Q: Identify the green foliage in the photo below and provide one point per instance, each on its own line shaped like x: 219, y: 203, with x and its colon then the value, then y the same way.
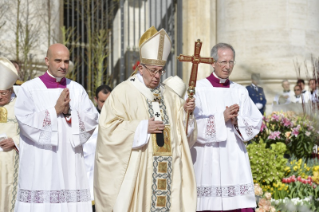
x: 267, y: 164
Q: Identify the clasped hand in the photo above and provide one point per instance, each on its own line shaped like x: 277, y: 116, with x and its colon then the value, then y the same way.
x: 231, y: 113
x: 62, y: 104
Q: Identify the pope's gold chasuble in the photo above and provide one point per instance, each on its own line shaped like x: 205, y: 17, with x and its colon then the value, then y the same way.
x: 9, y: 160
x: 157, y: 176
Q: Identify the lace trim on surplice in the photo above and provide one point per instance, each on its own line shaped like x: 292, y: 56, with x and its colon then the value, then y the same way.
x: 53, y: 196
x: 45, y: 135
x: 211, y: 128
x: 84, y: 136
x: 249, y: 129
x: 225, y: 191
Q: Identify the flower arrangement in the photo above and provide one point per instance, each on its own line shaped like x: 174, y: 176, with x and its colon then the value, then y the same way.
x: 298, y: 133
x: 315, y: 177
x: 285, y: 204
x: 264, y: 204
x: 298, y: 168
x: 267, y: 165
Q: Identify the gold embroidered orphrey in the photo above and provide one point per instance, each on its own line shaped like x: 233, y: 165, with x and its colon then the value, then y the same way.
x: 162, y: 167
x: 196, y: 59
x: 161, y: 201
x: 3, y: 115
x: 166, y: 149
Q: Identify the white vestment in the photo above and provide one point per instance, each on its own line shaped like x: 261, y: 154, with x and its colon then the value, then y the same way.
x: 89, y: 156
x: 298, y: 99
x: 222, y: 168
x: 52, y: 174
x: 279, y: 98
x: 314, y: 96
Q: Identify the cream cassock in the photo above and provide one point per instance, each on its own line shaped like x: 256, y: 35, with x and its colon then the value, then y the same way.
x: 222, y: 169
x: 52, y: 174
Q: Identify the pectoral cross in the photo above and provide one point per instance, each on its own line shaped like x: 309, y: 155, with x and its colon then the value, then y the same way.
x: 157, y: 114
x: 196, y: 59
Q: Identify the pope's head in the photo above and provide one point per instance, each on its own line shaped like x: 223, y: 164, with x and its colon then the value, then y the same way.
x: 151, y: 74
x: 57, y: 60
x: 224, y: 59
x: 155, y: 47
x: 8, y: 76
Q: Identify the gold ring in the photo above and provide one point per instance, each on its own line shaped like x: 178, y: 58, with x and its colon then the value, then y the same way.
x: 156, y: 128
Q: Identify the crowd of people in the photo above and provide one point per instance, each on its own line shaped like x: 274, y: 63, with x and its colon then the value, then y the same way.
x: 298, y: 95
x: 60, y: 153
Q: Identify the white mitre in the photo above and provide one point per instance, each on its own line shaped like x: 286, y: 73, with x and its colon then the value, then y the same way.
x: 155, y: 47
x: 8, y: 74
x: 176, y: 84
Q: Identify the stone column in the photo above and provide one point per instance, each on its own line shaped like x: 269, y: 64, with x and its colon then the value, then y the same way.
x: 199, y: 22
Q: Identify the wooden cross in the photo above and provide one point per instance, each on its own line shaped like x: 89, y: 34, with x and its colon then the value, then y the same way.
x: 196, y: 59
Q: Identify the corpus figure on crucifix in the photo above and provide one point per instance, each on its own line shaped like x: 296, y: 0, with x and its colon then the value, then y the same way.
x: 226, y: 119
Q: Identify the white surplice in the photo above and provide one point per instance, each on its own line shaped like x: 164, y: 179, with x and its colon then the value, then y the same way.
x: 89, y: 156
x: 279, y: 98
x: 52, y: 174
x: 221, y: 162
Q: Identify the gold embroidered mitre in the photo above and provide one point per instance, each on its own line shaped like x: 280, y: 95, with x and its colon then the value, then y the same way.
x: 8, y: 74
x: 155, y: 47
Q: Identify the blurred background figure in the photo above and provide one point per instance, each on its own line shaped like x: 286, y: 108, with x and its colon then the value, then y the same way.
x: 101, y: 94
x: 304, y: 92
x: 284, y: 97
x: 298, y: 97
x: 313, y: 90
x: 256, y: 93
x: 9, y: 136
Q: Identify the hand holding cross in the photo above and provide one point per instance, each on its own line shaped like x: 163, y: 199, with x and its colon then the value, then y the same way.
x: 196, y: 59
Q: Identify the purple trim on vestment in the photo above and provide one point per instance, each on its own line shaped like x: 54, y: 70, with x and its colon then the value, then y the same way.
x: 215, y: 82
x: 50, y: 82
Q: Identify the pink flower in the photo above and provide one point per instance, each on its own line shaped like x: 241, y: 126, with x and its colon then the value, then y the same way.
x: 275, y: 117
x: 272, y: 209
x: 286, y: 122
x: 265, y: 204
x: 274, y: 135
x: 310, y: 128
x: 263, y: 126
x: 295, y: 131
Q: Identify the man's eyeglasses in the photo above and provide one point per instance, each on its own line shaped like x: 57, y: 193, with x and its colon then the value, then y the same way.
x: 297, y: 90
x: 4, y: 93
x: 154, y: 72
x: 224, y: 63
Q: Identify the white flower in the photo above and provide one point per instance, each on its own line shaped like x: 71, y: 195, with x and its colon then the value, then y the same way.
x: 308, y: 133
x: 268, y: 195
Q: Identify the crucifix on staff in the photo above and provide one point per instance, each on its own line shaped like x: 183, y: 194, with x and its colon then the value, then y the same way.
x: 196, y: 59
